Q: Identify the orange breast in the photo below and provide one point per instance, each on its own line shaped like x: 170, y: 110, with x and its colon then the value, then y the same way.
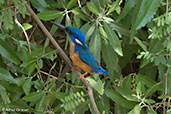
x: 76, y: 59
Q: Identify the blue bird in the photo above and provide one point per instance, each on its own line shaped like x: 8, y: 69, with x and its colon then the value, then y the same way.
x: 80, y: 53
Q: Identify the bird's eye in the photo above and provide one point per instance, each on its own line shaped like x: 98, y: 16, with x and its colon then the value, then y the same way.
x: 69, y: 31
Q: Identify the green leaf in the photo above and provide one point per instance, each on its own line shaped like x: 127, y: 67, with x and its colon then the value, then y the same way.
x: 97, y: 85
x: 81, y: 109
x: 26, y: 86
x: 169, y: 111
x: 149, y: 101
x: 116, y: 97
x: 50, y: 98
x: 92, y: 7
x: 78, y: 12
x: 127, y: 8
x: 120, y: 28
x: 84, y: 28
x: 8, y: 52
x: 40, y: 63
x: 71, y: 3
x: 42, y: 2
x: 146, y: 80
x: 3, y: 36
x: 136, y: 110
x: 113, y: 39
x: 25, y: 55
x: 108, y: 20
x: 20, y: 80
x: 146, y: 12
x: 102, y: 32
x: 34, y: 96
x: 40, y: 106
x: 162, y: 96
x: 5, y: 75
x: 49, y: 15
x: 31, y: 67
x: 153, y: 89
x: 60, y: 95
x: 113, y: 6
x: 142, y: 14
x: 7, y: 19
x: 140, y: 43
x: 22, y: 8
x: 40, y: 5
x: 29, y: 61
x: 126, y: 93
x: 4, y: 95
x: 127, y: 82
x: 111, y: 60
x: 160, y: 59
x: 139, y: 88
x: 2, y: 1
x: 46, y: 42
x: 95, y: 45
x: 90, y: 32
x: 67, y: 20
x: 151, y: 111
x: 38, y: 84
x: 27, y: 26
x: 77, y: 21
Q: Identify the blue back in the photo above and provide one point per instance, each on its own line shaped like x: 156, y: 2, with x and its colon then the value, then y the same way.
x: 87, y: 57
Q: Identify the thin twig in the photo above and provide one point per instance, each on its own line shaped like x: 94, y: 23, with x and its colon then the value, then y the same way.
x: 32, y: 31
x: 166, y: 78
x: 74, y: 86
x: 40, y: 76
x: 168, y: 103
x: 79, y: 4
x: 167, y: 72
x: 48, y: 74
x: 166, y: 75
x: 90, y: 93
x: 167, y: 5
x: 18, y: 23
x: 64, y: 56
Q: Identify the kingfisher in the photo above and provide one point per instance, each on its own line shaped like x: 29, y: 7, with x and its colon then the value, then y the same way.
x: 80, y: 53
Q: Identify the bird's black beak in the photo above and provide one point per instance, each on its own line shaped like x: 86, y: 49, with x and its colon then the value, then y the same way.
x: 59, y: 25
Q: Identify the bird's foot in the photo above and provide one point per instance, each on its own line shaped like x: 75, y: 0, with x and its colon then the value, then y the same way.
x: 74, y: 67
x: 82, y: 75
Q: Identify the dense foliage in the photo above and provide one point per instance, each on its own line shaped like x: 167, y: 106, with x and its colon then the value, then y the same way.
x: 130, y: 38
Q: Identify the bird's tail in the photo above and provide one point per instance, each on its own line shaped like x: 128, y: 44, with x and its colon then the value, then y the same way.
x: 103, y: 71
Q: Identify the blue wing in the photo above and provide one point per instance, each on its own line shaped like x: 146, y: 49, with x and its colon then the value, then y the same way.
x: 87, y: 57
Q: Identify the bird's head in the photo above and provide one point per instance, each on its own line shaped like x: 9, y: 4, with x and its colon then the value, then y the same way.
x: 75, y: 34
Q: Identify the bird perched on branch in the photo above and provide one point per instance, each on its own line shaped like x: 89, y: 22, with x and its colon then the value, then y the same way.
x: 80, y: 53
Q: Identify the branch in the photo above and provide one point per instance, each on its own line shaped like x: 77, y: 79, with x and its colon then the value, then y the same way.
x: 18, y: 23
x: 167, y: 71
x: 64, y: 56
x: 79, y: 4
